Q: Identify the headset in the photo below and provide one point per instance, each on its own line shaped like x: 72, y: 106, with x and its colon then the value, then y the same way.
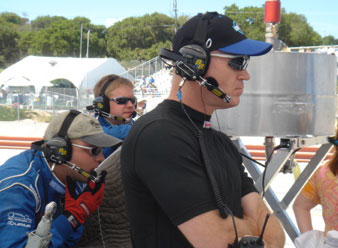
x: 101, y: 104
x: 59, y: 148
x: 192, y: 61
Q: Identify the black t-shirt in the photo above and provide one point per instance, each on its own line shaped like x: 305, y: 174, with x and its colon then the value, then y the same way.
x: 165, y: 178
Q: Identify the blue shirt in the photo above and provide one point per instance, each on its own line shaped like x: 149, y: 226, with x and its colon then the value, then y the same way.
x: 117, y: 131
x: 27, y: 185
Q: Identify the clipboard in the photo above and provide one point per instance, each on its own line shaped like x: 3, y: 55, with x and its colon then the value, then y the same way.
x: 109, y: 162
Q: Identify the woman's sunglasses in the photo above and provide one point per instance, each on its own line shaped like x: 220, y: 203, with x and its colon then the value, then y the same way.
x: 237, y: 62
x: 124, y: 100
x: 94, y: 151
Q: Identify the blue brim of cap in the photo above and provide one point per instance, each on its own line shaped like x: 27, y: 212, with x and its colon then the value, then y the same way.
x: 247, y: 47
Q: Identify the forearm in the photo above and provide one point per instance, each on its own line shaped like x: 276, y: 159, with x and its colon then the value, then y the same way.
x: 255, y: 208
x: 274, y: 236
x: 303, y: 218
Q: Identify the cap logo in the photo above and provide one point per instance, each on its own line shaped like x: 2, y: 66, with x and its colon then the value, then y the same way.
x: 208, y: 43
x: 94, y: 124
x: 236, y: 27
x: 199, y: 64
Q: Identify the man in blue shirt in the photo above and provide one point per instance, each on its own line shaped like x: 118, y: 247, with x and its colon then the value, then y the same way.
x: 59, y: 168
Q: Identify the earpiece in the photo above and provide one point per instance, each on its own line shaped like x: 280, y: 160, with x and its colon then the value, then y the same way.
x: 59, y: 148
x: 101, y: 102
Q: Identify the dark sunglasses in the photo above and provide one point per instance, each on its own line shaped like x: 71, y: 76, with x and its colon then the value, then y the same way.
x: 238, y: 63
x: 124, y: 100
x: 94, y: 151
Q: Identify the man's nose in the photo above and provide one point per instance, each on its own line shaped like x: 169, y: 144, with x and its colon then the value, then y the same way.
x: 244, y: 75
x: 99, y: 157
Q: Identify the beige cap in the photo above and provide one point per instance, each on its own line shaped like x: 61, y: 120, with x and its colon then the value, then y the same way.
x: 84, y: 127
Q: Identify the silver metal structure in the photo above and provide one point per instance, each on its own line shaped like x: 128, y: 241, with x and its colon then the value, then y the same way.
x: 291, y: 96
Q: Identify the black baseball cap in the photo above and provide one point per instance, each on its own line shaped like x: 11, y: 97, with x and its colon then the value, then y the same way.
x: 222, y: 34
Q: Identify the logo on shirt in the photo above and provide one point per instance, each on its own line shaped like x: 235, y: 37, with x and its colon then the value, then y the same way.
x: 17, y: 219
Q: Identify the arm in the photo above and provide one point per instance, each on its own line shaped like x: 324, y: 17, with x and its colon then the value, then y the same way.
x: 302, y: 207
x: 20, y: 202
x: 210, y: 230
x: 255, y: 209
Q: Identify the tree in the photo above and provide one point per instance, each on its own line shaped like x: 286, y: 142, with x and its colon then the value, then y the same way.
x: 295, y: 31
x: 293, y: 28
x: 329, y: 40
x: 9, y: 37
x: 58, y: 36
x: 138, y: 37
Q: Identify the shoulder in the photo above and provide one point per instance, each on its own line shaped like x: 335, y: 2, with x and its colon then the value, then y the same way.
x: 22, y: 174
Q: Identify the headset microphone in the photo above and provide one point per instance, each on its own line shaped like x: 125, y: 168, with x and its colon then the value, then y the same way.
x: 104, y: 114
x: 211, y: 84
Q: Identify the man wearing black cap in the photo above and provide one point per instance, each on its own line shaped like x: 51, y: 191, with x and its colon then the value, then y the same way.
x: 184, y: 181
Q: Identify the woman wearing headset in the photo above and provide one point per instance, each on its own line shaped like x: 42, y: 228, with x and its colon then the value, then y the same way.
x: 114, y: 106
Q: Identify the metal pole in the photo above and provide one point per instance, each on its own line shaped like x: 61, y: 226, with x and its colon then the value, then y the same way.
x: 81, y: 40
x: 87, y: 55
x: 175, y: 10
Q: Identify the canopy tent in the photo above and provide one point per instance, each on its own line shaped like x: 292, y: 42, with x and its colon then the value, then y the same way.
x: 83, y: 73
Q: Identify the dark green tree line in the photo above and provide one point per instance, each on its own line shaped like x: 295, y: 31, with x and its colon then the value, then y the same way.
x: 134, y: 38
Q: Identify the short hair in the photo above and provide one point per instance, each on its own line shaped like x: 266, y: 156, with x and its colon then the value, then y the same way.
x: 116, y: 83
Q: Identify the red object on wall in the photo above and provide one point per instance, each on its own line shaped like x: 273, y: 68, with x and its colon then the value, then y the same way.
x: 272, y: 11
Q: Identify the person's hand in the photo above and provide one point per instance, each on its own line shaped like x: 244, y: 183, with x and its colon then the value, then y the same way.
x: 79, y: 207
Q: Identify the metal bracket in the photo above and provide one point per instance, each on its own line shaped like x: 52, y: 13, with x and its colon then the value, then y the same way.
x: 274, y: 167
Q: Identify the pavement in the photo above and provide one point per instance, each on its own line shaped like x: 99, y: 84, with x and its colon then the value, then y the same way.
x: 280, y: 185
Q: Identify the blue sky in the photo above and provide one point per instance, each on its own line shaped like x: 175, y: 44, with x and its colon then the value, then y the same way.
x: 321, y: 15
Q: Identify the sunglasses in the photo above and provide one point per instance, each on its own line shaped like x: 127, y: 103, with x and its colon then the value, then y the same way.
x: 123, y: 100
x: 94, y: 151
x: 238, y: 63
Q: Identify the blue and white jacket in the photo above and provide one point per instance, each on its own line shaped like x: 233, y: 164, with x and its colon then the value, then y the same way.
x: 117, y: 131
x: 27, y: 185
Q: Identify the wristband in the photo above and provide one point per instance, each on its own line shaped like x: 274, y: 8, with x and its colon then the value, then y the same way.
x: 72, y: 220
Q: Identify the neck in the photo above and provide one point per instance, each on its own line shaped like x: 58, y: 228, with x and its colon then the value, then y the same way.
x: 59, y: 172
x: 114, y: 122
x: 192, y: 95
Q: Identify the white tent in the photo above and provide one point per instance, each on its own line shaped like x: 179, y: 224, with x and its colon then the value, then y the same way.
x: 82, y: 72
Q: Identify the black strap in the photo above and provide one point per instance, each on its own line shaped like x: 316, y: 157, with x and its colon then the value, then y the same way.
x: 201, y: 32
x: 105, y: 86
x: 66, y: 123
x: 202, y: 28
x: 222, y: 208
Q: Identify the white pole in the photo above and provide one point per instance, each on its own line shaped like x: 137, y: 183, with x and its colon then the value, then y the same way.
x: 87, y: 55
x: 81, y: 40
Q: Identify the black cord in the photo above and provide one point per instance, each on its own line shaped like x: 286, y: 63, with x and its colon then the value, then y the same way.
x: 221, y: 206
x: 253, y: 160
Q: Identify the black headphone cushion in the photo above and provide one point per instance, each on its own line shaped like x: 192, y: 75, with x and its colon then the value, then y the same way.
x: 59, y: 149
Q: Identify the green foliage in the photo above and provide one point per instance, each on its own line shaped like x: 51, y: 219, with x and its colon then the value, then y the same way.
x: 295, y: 31
x: 329, y: 40
x: 58, y: 36
x: 139, y: 37
x: 9, y: 49
x: 293, y: 28
x: 10, y: 114
x: 134, y: 38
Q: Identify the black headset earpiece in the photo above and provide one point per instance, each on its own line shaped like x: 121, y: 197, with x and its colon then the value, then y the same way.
x: 101, y: 102
x: 59, y: 148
